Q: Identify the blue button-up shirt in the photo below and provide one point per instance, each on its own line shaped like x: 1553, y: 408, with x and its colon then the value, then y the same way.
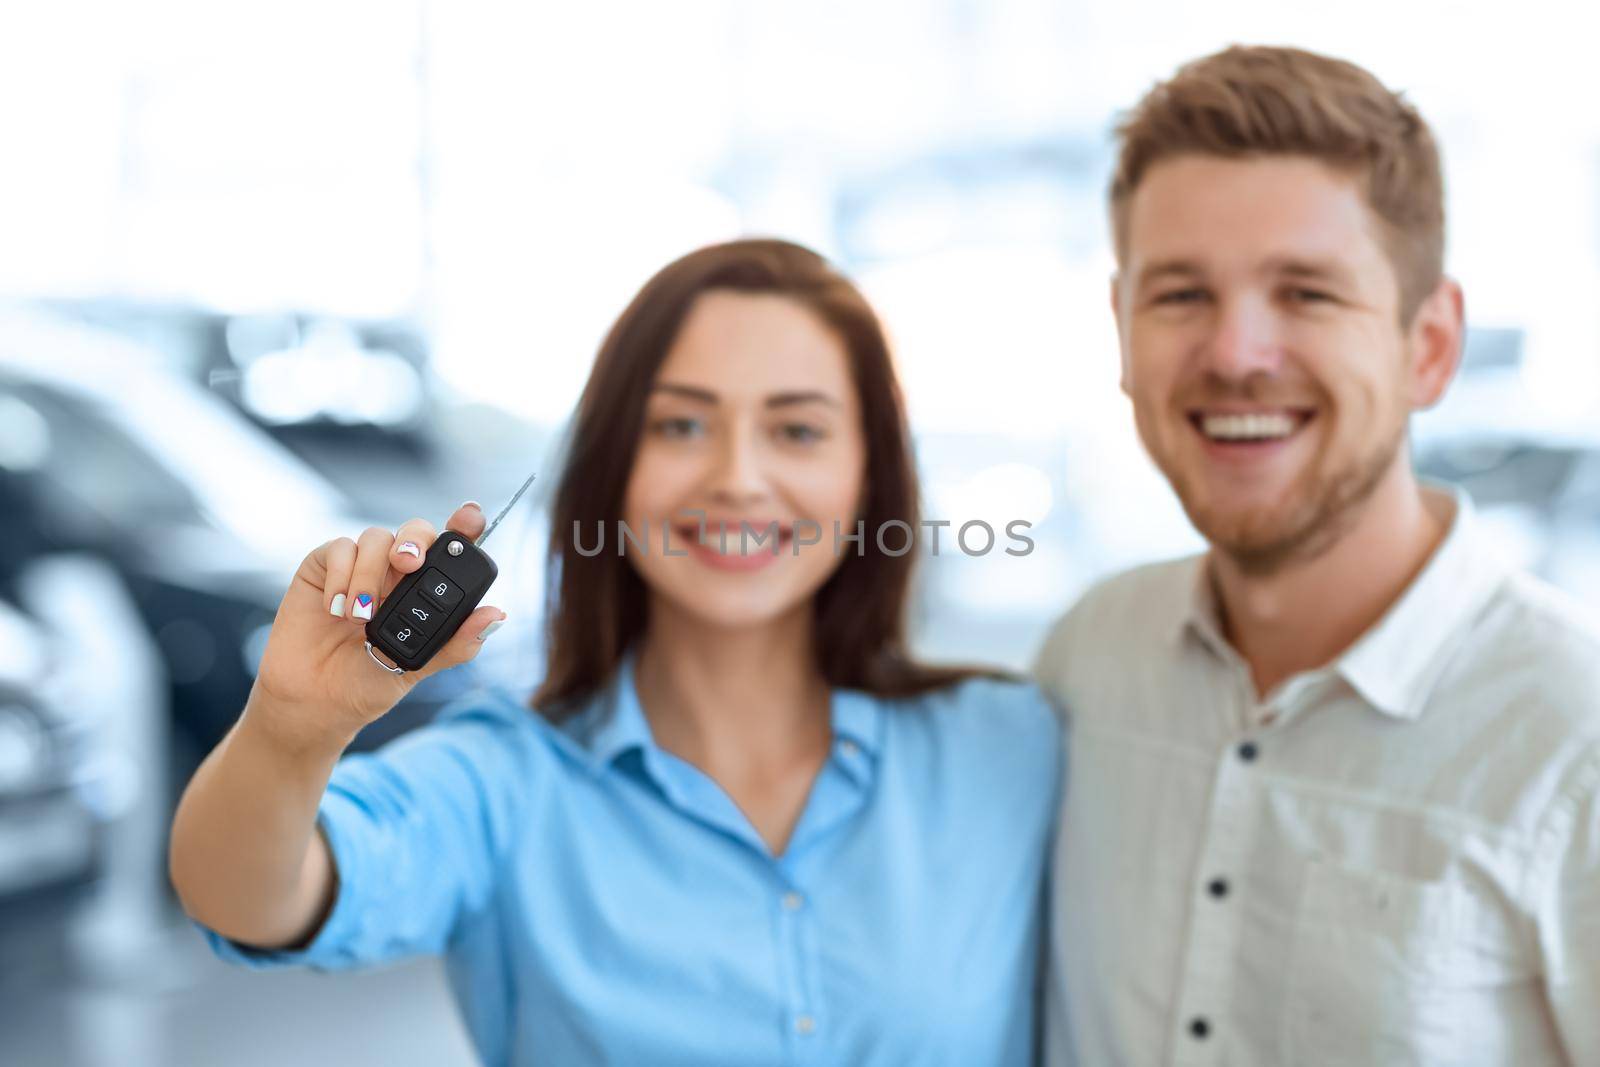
x: 599, y: 900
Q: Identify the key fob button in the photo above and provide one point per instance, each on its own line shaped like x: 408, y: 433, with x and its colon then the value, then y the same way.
x: 406, y: 638
x: 443, y: 591
x: 421, y: 614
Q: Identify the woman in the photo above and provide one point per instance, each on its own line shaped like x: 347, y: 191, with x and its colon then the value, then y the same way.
x: 740, y: 825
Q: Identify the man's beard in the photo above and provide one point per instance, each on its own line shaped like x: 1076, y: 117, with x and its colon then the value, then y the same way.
x: 1264, y: 541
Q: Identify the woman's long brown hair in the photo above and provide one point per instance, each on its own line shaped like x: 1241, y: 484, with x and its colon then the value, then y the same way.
x: 598, y: 605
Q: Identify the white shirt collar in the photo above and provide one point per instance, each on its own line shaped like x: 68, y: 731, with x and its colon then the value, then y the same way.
x: 1395, y: 663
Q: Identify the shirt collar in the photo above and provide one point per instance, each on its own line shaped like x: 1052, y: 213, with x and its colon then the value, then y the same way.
x: 616, y: 722
x: 857, y: 717
x: 1200, y: 615
x: 1395, y: 663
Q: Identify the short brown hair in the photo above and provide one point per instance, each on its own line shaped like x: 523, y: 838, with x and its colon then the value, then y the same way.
x: 598, y: 605
x: 1246, y: 101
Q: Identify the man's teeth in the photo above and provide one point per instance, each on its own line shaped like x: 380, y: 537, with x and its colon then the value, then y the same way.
x: 1247, y: 427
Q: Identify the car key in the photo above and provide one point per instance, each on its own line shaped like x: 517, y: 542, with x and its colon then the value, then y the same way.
x: 426, y: 607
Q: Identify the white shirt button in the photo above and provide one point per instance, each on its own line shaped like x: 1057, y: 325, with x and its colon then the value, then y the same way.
x: 793, y: 901
x: 805, y: 1024
x: 848, y: 747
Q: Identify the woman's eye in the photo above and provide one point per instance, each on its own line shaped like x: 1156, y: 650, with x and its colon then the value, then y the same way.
x: 1180, y: 296
x: 676, y: 427
x: 799, y: 433
x: 1309, y: 296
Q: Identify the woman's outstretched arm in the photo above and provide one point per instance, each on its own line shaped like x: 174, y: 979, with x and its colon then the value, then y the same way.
x: 246, y: 858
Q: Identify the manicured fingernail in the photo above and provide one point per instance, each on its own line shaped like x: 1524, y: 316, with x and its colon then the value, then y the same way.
x: 473, y: 504
x: 483, y: 635
x: 363, y: 608
x: 336, y: 609
x: 409, y: 548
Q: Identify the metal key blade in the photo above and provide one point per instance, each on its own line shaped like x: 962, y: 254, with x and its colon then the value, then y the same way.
x: 503, y: 511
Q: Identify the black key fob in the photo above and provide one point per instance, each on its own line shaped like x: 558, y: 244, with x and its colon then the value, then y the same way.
x: 429, y: 605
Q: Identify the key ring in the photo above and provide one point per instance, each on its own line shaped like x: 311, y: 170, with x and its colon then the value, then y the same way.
x: 379, y: 662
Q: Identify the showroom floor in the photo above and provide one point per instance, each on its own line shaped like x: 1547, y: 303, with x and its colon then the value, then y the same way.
x: 189, y: 1009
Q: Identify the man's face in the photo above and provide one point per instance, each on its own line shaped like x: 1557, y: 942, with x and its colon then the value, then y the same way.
x: 1262, y: 348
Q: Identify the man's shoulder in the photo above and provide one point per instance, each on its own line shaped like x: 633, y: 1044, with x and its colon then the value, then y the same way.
x: 1166, y: 583
x: 1120, y: 613
x: 1548, y: 643
x: 1545, y: 612
x: 1139, y: 596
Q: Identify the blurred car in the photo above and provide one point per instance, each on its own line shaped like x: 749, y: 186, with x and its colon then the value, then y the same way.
x: 83, y: 793
x: 105, y: 450
x: 50, y: 836
x: 329, y: 388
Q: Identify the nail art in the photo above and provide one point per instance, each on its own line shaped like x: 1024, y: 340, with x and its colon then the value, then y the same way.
x: 491, y: 628
x: 409, y: 548
x: 363, y: 608
x: 336, y: 609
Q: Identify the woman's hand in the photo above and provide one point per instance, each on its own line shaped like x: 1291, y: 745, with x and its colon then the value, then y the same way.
x: 316, y: 683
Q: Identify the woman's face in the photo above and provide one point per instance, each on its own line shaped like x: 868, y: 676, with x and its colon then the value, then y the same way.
x: 752, y: 419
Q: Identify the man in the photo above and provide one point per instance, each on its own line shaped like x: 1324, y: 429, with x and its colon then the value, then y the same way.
x: 1333, y: 785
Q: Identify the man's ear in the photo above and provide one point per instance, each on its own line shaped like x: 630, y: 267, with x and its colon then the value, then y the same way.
x: 1122, y: 341
x: 1435, y: 338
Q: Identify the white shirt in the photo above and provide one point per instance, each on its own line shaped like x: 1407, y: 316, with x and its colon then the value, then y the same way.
x: 1391, y: 860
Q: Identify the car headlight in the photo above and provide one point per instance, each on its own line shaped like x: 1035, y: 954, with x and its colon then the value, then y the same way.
x: 24, y: 749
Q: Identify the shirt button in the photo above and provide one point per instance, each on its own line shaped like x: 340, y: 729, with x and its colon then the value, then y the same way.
x: 1248, y: 751
x: 1200, y: 1028
x: 793, y: 901
x: 1218, y: 887
x: 805, y: 1024
x: 848, y: 747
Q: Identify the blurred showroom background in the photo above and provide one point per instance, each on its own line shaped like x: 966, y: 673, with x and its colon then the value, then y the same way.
x: 270, y: 273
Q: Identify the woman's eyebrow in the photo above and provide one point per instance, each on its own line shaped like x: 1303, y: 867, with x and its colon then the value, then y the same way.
x: 776, y: 400
x: 689, y: 391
